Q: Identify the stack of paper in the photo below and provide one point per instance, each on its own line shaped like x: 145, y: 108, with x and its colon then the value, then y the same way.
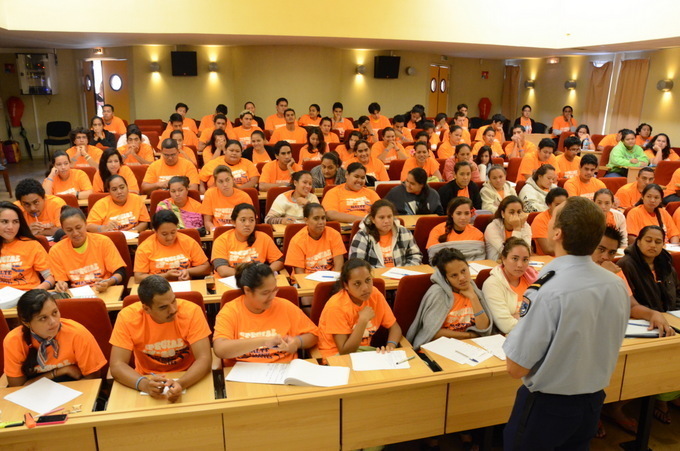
x: 9, y: 297
x: 298, y: 372
x: 180, y: 286
x: 229, y: 281
x: 458, y: 351
x: 638, y: 328
x: 130, y: 235
x: 324, y: 276
x: 85, y: 291
x: 371, y: 361
x: 475, y: 268
x: 493, y: 344
x: 399, y: 273
x: 43, y: 396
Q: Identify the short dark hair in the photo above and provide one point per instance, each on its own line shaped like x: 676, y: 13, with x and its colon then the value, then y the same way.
x: 504, y: 204
x: 646, y: 169
x: 316, y: 105
x: 588, y: 159
x: 461, y: 105
x: 108, y: 105
x: 222, y: 109
x: 374, y: 106
x: 613, y: 233
x: 498, y: 118
x: 111, y: 178
x: 29, y: 186
x: 583, y: 228
x: 516, y: 126
x: 310, y: 207
x: 281, y: 99
x: 219, y: 116
x: 572, y: 140
x: 399, y: 118
x: 182, y: 105
x: 446, y: 256
x: 67, y: 212
x: 169, y: 143
x: 151, y: 286
x: 567, y: 106
x: 252, y: 274
x: 176, y: 117
x: 287, y: 110
x: 280, y: 145
x: 355, y: 167
x: 338, y: 105
x: 177, y: 132
x: 162, y: 216
x: 547, y: 142
x: 542, y: 170
x: 440, y: 116
x: 555, y: 192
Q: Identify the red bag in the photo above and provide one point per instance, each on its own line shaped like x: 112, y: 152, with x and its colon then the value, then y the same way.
x: 12, y: 151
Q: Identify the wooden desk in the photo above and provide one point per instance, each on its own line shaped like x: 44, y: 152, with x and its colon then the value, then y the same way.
x: 409, y: 223
x: 204, y: 239
x: 145, y: 198
x: 307, y: 286
x: 111, y: 297
x: 633, y: 173
x: 125, y: 398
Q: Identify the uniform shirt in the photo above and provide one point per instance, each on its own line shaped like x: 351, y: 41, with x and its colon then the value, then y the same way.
x: 315, y: 255
x: 306, y: 120
x: 496, y: 148
x: 273, y: 122
x: 145, y: 152
x: 158, y: 171
x: 99, y: 260
x: 190, y: 138
x: 530, y: 163
x: 128, y: 215
x: 160, y: 348
x: 125, y: 172
x: 382, y: 122
x: 567, y: 169
x: 220, y: 206
x: 229, y: 248
x: 671, y: 188
x: 431, y: 166
x: 94, y: 152
x: 342, y: 200
x: 76, y: 182
x: 243, y: 135
x: 297, y: 136
x: 50, y: 213
x: 575, y: 187
x: 242, y: 171
x: 638, y: 218
x: 528, y: 148
x: 379, y: 147
x: 20, y: 262
x: 152, y: 257
x: 374, y: 168
x: 116, y: 126
x: 629, y: 195
x: 571, y: 336
x: 272, y: 173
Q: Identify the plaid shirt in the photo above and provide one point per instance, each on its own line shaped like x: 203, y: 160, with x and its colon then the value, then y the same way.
x: 405, y: 253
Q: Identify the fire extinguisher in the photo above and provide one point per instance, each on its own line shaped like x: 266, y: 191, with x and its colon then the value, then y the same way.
x: 484, y: 108
x: 15, y: 109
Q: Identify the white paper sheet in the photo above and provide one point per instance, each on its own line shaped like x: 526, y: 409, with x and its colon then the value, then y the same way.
x: 130, y: 235
x: 9, y: 296
x: 43, y: 396
x: 324, y: 276
x: 475, y: 268
x: 184, y: 285
x: 85, y: 291
x: 258, y: 373
x: 298, y: 372
x: 399, y: 273
x: 637, y: 328
x: 672, y: 247
x: 675, y: 313
x: 229, y: 281
x: 458, y: 351
x: 371, y: 361
x: 493, y: 344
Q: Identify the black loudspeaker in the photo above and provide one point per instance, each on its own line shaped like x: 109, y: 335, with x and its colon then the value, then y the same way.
x: 386, y: 67
x: 184, y: 64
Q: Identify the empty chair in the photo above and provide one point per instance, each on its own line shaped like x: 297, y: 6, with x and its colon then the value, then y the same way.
x: 57, y: 135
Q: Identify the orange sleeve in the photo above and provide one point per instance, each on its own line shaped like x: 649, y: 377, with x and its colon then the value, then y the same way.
x: 98, y: 213
x: 16, y: 350
x: 226, y: 322
x: 409, y: 164
x: 435, y: 233
x: 539, y: 228
x: 151, y: 175
x: 338, y: 321
x: 82, y: 182
x: 570, y: 186
x: 527, y: 166
x: 384, y: 312
x: 337, y: 246
x: 671, y: 226
x: 251, y: 168
x: 268, y: 173
x: 109, y: 254
x: 89, y: 356
x: 381, y: 174
x: 331, y: 200
x: 295, y: 256
x: 196, y: 327
x: 191, y: 172
x: 142, y: 213
x: 143, y: 256
x: 57, y: 262
x: 206, y: 171
x: 195, y: 253
x: 633, y: 223
x: 121, y: 336
x: 219, y: 248
x: 671, y: 188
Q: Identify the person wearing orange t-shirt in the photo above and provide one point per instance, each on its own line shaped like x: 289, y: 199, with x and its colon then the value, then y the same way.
x: 388, y: 149
x: 188, y: 124
x: 312, y: 118
x: 48, y: 346
x: 135, y: 151
x: 651, y: 212
x: 403, y: 134
x: 453, y: 138
x: 175, y: 123
x: 462, y: 109
x: 172, y: 255
x: 161, y: 171
x: 352, y: 316
x: 279, y: 172
x: 457, y: 232
x: 526, y: 121
x: 585, y: 184
x: 643, y: 135
x: 244, y: 172
x: 110, y: 164
x: 278, y: 119
x: 244, y: 244
x: 120, y: 210
x: 181, y: 204
x: 610, y: 140
x: 81, y: 154
x: 351, y: 200
x: 221, y: 123
x: 184, y: 151
x: 534, y: 160
x: 519, y: 146
x: 421, y: 159
x: 248, y: 125
x: 488, y: 139
x: 64, y: 180
x: 258, y: 151
x: 220, y: 200
x: 258, y: 326
x: 111, y: 122
x: 341, y: 124
x: 290, y: 131
x: 346, y: 151
x: 315, y: 148
x: 659, y: 149
x: 630, y: 193
x: 83, y: 258
x: 497, y: 126
x: 462, y: 121
x: 568, y: 163
x: 40, y: 211
x: 208, y: 120
x: 564, y: 123
x: 165, y: 335
x: 377, y: 120
x: 539, y: 227
x: 325, y: 125
x: 373, y: 166
x: 315, y: 247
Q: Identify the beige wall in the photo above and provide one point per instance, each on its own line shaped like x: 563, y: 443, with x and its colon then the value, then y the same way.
x: 662, y: 109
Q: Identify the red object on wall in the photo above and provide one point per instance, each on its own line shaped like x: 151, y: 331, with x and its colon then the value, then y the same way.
x: 15, y: 108
x: 484, y: 108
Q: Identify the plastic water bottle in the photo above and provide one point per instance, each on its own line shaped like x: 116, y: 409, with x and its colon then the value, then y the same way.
x: 585, y: 144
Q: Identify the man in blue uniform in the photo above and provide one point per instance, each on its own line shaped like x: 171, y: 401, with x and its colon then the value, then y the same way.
x: 567, y: 344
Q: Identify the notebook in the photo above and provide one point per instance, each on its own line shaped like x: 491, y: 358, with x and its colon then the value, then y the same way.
x: 9, y: 297
x: 637, y: 328
x: 372, y: 360
x: 298, y: 372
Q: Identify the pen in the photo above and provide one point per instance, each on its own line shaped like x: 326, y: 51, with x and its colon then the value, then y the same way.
x: 9, y: 424
x: 328, y: 277
x: 406, y: 360
x: 466, y: 356
x: 58, y: 409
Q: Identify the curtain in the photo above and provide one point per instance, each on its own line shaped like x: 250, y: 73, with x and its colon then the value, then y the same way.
x: 596, y: 97
x: 510, y: 97
x: 630, y: 93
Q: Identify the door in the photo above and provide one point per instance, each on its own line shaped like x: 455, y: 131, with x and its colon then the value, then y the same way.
x: 438, y: 89
x: 88, y: 90
x: 116, y: 87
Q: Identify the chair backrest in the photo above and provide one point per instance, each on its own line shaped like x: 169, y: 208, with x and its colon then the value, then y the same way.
x: 322, y: 292
x: 272, y: 194
x: 94, y: 198
x: 154, y: 137
x: 193, y: 233
x: 121, y: 244
x: 4, y: 330
x: 560, y: 143
x: 288, y: 293
x: 310, y: 164
x: 614, y: 183
x: 481, y: 221
x: 513, y: 169
x: 422, y: 232
x: 90, y: 171
x: 70, y: 199
x: 532, y: 216
x: 384, y: 188
x: 671, y: 207
x: 333, y: 146
x: 139, y: 170
x: 58, y: 129
x: 260, y: 165
x: 676, y: 261
x: 92, y: 314
x: 473, y: 134
x: 664, y: 171
x: 265, y: 228
x: 191, y: 296
x: 596, y: 139
x: 44, y: 242
x: 254, y: 197
x: 394, y: 172
x: 436, y: 185
x: 159, y: 195
x: 604, y: 159
x: 410, y: 293
x: 295, y: 150
x: 519, y: 185
x: 481, y: 277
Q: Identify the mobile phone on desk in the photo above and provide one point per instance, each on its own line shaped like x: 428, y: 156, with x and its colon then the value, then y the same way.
x: 46, y: 420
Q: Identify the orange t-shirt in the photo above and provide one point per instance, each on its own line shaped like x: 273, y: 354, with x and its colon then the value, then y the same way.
x: 461, y: 316
x: 116, y: 126
x: 272, y: 173
x: 465, y: 139
x: 261, y: 157
x: 220, y: 206
x: 528, y: 148
x: 343, y: 127
x: 341, y: 314
x: 208, y: 121
x: 608, y: 140
x: 496, y: 148
x: 273, y: 122
x: 145, y: 152
x: 671, y: 188
x: 629, y: 195
x: 431, y: 166
x: 385, y: 245
x: 539, y: 226
x: 306, y: 155
x: 575, y: 187
x: 374, y: 168
x: 81, y: 162
x: 638, y: 218
x: 672, y: 156
x: 160, y: 348
x: 331, y: 138
x: 125, y: 172
x: 206, y: 136
x: 158, y: 171
x: 342, y: 200
x: 315, y: 255
x: 242, y: 171
x: 190, y: 138
x: 379, y: 147
x: 530, y: 163
x: 642, y: 142
x: 127, y: 216
x: 297, y: 136
x: 381, y: 122
x: 152, y: 257
x: 20, y: 262
x: 306, y: 120
x: 446, y: 150
x: 567, y: 169
x: 559, y: 123
x: 343, y: 153
x: 187, y: 124
x: 99, y: 260
x: 243, y: 135
x: 499, y: 136
x: 50, y: 213
x: 77, y: 346
x: 263, y: 250
x: 236, y: 322
x: 77, y: 181
x: 406, y: 135
x: 471, y: 233
x: 526, y: 123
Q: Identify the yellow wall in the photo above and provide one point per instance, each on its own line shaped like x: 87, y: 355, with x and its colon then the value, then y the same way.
x: 662, y: 109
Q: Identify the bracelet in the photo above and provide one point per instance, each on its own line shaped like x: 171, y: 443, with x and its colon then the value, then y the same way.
x: 50, y: 179
x: 299, y: 338
x: 138, y: 381
x: 115, y: 281
x: 87, y: 157
x: 395, y: 344
x: 481, y: 312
